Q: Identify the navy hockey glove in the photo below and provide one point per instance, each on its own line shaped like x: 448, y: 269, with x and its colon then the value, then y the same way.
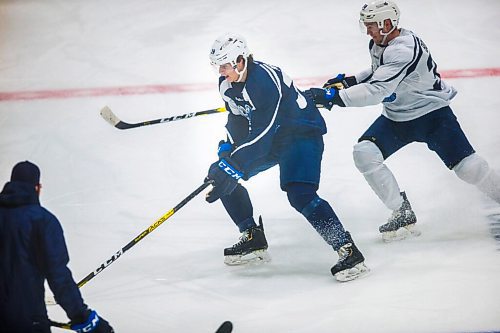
x: 225, y: 175
x: 325, y: 98
x: 93, y: 323
x: 225, y: 149
x: 341, y: 82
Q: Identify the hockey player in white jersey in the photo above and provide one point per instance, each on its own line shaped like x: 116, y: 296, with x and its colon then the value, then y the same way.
x: 404, y: 78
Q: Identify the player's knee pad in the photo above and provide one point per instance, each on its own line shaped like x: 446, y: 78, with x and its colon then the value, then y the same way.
x: 472, y: 169
x: 300, y: 195
x: 367, y: 157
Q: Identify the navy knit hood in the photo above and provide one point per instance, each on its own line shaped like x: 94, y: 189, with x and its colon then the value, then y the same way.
x: 15, y: 194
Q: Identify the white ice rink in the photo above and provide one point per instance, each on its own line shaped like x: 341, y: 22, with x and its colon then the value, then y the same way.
x: 106, y: 185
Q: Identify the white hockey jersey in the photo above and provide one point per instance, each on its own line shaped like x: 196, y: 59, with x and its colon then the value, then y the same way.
x: 403, y: 77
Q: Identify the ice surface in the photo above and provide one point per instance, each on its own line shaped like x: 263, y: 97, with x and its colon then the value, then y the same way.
x: 106, y: 185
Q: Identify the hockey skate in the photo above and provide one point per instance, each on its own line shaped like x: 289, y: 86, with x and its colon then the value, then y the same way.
x: 351, y: 264
x: 252, y: 248
x: 401, y: 224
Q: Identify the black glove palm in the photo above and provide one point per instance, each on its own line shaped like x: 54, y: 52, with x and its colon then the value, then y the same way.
x: 324, y: 98
x: 341, y: 82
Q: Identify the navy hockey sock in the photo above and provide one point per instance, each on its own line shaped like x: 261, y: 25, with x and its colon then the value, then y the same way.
x: 239, y: 207
x: 318, y: 212
x: 322, y: 217
x: 246, y: 224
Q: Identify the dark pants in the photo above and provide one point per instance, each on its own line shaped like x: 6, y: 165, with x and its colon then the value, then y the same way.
x: 299, y: 160
x: 439, y: 129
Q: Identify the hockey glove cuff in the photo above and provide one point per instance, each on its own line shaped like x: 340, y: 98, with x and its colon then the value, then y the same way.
x: 93, y: 323
x: 225, y: 149
x: 341, y: 82
x: 225, y: 175
x: 325, y: 98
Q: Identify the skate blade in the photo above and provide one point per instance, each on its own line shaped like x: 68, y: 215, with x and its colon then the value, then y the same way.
x: 255, y: 257
x: 405, y: 232
x: 352, y: 273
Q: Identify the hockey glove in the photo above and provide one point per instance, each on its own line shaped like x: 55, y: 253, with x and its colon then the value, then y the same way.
x: 225, y: 149
x: 225, y: 175
x: 93, y: 323
x: 325, y: 98
x: 341, y: 82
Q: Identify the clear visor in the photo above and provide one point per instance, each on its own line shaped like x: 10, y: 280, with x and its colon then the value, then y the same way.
x: 222, y: 69
x: 366, y: 27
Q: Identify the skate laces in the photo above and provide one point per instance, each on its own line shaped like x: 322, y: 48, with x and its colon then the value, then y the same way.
x: 245, y: 237
x: 345, y: 251
x: 402, y: 212
x: 396, y: 214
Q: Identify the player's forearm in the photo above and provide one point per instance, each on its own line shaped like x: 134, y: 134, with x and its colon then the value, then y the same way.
x: 364, y: 94
x: 363, y: 75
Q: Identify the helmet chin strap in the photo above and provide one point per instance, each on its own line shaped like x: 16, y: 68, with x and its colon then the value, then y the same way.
x: 242, y: 73
x: 385, y: 34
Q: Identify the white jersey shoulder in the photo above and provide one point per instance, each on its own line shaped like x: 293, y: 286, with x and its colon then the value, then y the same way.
x: 403, y: 77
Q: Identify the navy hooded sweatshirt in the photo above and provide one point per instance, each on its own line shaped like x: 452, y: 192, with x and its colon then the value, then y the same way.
x: 32, y: 249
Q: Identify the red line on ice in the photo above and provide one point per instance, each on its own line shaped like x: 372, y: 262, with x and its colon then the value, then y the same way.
x: 177, y: 88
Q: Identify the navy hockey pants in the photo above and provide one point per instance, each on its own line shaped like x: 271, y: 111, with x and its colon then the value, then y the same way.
x: 439, y: 129
x: 299, y: 160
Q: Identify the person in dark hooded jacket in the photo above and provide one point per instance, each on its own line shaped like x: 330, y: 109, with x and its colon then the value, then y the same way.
x: 32, y: 249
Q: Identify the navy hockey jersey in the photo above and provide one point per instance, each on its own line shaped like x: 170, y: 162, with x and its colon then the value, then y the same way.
x: 267, y: 105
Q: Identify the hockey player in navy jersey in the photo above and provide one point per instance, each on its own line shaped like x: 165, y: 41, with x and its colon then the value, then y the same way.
x: 271, y: 123
x: 404, y: 78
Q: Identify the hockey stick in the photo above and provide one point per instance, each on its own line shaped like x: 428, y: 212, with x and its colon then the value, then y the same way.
x: 111, y: 118
x: 137, y: 239
x: 143, y: 234
x: 65, y: 326
x: 225, y: 327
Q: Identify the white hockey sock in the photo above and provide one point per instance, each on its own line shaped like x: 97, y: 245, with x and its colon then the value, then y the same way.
x: 384, y: 184
x: 475, y: 170
x: 370, y: 163
x: 490, y: 185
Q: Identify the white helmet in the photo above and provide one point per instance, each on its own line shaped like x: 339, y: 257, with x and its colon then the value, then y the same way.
x: 227, y: 48
x: 379, y: 11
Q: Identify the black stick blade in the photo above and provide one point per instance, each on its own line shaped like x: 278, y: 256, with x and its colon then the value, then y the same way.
x: 226, y: 327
